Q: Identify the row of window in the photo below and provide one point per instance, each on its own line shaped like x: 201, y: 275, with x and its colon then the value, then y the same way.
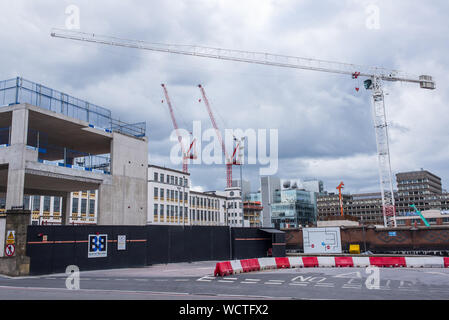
x: 35, y: 203
x: 178, y: 181
x: 171, y: 194
x: 413, y: 181
x: 84, y: 203
x: 418, y: 221
x: 204, y: 202
x: 171, y: 211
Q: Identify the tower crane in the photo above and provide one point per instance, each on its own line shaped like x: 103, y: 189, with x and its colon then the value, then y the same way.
x: 230, y: 160
x: 340, y: 196
x: 375, y: 78
x: 186, y: 155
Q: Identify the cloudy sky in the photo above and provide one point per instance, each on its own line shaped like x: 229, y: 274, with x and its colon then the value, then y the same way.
x: 324, y: 125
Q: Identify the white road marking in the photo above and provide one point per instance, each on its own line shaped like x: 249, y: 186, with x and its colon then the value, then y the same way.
x: 97, y: 290
x: 206, y: 278
x: 345, y: 286
x: 324, y: 285
x: 439, y: 273
x: 349, y: 275
x: 225, y: 281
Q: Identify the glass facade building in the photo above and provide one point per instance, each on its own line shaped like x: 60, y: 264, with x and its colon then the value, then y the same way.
x: 293, y: 208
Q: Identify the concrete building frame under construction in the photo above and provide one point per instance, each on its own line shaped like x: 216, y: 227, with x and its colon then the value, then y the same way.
x: 40, y: 129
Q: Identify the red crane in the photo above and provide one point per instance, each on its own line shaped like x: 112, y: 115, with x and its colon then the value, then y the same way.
x: 185, y: 155
x: 230, y: 161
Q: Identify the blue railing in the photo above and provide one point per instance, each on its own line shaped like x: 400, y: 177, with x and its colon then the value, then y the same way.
x: 65, y: 157
x: 19, y: 90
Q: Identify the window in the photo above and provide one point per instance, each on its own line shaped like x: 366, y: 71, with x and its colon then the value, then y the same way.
x: 75, y: 205
x: 36, y: 203
x: 155, y: 192
x: 92, y: 207
x: 47, y: 204
x: 56, y: 204
x: 172, y: 179
x: 83, y: 206
x: 176, y: 180
x: 162, y: 177
x: 162, y: 193
x: 26, y: 203
x: 162, y: 210
x: 155, y: 209
x: 155, y: 176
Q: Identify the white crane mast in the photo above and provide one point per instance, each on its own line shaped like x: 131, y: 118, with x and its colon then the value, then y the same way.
x: 375, y: 76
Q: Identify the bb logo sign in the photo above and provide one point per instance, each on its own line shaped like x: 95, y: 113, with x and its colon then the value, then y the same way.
x: 98, y: 246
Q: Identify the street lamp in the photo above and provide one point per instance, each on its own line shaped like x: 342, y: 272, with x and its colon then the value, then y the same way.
x: 225, y: 208
x: 179, y: 202
x: 240, y: 162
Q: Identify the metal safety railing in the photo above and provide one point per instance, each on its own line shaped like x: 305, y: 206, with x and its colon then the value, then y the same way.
x: 66, y: 157
x: 19, y: 90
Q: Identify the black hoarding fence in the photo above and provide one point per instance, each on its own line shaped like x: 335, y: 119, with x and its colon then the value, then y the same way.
x: 248, y: 243
x: 52, y: 248
x: 169, y: 244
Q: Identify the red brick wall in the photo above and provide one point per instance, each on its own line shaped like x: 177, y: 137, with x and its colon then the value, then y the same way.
x: 407, y: 238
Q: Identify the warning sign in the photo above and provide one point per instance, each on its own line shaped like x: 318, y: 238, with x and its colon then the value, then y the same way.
x: 10, y: 250
x: 11, y: 237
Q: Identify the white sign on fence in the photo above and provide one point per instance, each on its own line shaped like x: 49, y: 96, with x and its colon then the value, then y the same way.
x: 322, y: 240
x: 121, y: 242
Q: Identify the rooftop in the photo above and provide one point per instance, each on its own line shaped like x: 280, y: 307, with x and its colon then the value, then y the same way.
x: 19, y: 90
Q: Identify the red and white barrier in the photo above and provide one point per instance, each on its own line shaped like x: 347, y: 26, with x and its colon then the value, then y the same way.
x: 249, y: 265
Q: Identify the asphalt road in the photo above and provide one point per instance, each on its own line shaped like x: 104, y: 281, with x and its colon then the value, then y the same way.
x: 195, y: 281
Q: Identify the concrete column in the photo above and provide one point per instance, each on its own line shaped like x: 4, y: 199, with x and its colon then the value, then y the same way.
x: 19, y: 127
x: 15, y: 187
x: 16, y: 169
x: 65, y: 210
x: 2, y: 234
